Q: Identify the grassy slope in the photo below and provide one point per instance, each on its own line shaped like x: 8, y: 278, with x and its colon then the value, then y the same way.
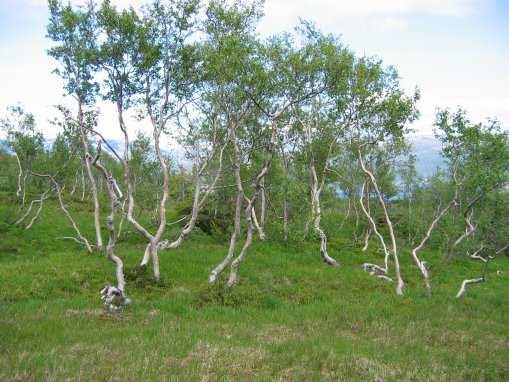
x: 290, y: 318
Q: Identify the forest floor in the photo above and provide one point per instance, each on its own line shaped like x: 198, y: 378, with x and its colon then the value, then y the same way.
x: 290, y: 317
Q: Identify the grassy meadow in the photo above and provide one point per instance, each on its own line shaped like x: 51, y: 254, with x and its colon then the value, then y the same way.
x: 289, y: 318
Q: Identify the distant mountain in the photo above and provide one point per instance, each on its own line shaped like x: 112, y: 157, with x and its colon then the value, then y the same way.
x: 427, y: 150
x: 3, y: 146
x: 425, y: 147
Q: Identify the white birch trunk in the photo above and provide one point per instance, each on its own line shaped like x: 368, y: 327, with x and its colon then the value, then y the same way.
x: 263, y: 205
x: 214, y: 274
x: 257, y: 225
x: 114, y: 299
x: 199, y: 201
x: 20, y: 176
x: 83, y: 185
x: 420, y: 263
x: 478, y: 280
x: 400, y: 283
x: 469, y: 230
x: 81, y: 239
x: 91, y: 179
x: 317, y: 215
x: 373, y: 268
x: 43, y: 197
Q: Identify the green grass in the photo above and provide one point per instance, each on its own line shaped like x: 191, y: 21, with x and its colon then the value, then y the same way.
x: 289, y: 318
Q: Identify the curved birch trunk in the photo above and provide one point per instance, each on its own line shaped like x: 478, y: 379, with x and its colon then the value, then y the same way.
x: 263, y: 210
x: 75, y: 184
x: 250, y: 202
x: 368, y: 230
x: 154, y: 242
x: 233, y: 242
x: 23, y: 194
x: 43, y: 197
x: 238, y: 206
x: 80, y: 239
x: 130, y: 197
x: 198, y: 203
x: 30, y: 206
x: 355, y: 236
x: 373, y: 269
x: 114, y: 297
x: 400, y: 283
x: 83, y: 186
x: 20, y: 176
x: 257, y: 225
x: 482, y: 278
x: 421, y: 264
x: 469, y: 230
x: 367, y: 235
x: 317, y: 215
x: 122, y: 218
x: 232, y: 280
x: 91, y: 179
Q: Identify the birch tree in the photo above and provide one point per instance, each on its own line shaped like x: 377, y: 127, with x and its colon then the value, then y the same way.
x: 479, y: 156
x: 381, y: 111
x: 27, y: 144
x: 73, y: 30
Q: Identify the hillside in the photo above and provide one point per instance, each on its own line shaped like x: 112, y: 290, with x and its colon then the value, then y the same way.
x: 290, y: 317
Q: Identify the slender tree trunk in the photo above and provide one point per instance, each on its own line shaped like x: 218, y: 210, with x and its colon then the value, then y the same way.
x: 75, y: 184
x: 232, y: 280
x: 263, y: 204
x: 39, y: 201
x: 20, y: 176
x: 373, y: 268
x: 469, y: 230
x: 114, y: 299
x: 317, y: 215
x: 478, y: 280
x: 93, y: 186
x: 347, y: 215
x: 43, y: 197
x: 154, y: 243
x: 257, y: 225
x: 122, y: 218
x: 23, y: 196
x: 367, y: 235
x: 400, y: 282
x: 420, y: 263
x: 233, y: 242
x: 356, y: 221
x: 82, y: 185
x: 130, y: 194
x: 250, y: 202
x: 199, y: 201
x: 81, y: 239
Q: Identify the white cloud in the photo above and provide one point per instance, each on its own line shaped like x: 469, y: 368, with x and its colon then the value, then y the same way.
x: 389, y: 24
x: 347, y: 7
x: 381, y: 7
x: 450, y: 68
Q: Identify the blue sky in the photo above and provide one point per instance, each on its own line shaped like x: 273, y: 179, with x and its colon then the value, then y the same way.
x: 455, y: 51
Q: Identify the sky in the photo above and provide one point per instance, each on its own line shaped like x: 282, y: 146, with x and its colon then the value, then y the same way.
x: 455, y: 51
